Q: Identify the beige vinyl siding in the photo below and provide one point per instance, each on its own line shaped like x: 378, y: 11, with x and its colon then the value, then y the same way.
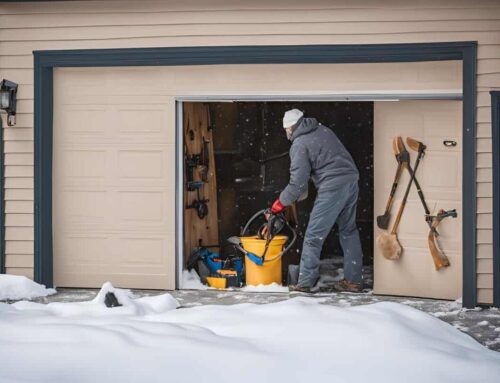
x: 77, y: 25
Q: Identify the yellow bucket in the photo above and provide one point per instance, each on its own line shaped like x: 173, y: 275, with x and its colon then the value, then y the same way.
x: 270, y: 270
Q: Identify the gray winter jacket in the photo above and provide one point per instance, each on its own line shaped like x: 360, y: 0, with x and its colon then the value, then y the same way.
x: 317, y: 152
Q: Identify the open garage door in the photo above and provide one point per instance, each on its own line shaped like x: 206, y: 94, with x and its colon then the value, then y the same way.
x: 435, y: 123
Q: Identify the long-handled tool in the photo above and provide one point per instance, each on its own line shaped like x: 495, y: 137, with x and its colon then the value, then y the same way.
x: 383, y: 220
x: 388, y: 243
x: 199, y: 204
x: 420, y: 147
x: 439, y: 258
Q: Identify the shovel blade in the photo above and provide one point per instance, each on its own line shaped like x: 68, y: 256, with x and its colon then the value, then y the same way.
x: 389, y: 246
x: 383, y: 221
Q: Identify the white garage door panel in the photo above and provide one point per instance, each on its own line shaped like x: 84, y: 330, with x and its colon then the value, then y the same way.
x: 113, y: 193
x: 415, y: 276
x: 95, y: 251
x: 137, y: 210
x: 440, y: 175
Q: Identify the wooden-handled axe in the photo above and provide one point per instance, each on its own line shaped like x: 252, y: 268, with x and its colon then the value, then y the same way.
x: 384, y: 219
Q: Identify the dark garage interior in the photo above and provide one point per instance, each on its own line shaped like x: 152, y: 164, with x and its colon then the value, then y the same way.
x: 250, y: 149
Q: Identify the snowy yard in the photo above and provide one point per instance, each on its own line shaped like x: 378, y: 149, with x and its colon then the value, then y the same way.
x: 151, y: 339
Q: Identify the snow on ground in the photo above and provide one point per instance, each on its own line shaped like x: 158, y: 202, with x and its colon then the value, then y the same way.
x: 191, y: 281
x: 272, y: 288
x: 16, y: 287
x: 295, y: 340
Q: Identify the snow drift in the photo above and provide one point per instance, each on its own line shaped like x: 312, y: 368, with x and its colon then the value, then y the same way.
x: 15, y: 287
x: 191, y: 281
x: 149, y: 340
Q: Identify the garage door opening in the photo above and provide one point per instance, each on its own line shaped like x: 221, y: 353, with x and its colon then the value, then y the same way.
x: 248, y: 166
x: 236, y: 163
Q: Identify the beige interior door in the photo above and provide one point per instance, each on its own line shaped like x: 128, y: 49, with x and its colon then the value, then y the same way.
x: 113, y: 189
x: 440, y: 175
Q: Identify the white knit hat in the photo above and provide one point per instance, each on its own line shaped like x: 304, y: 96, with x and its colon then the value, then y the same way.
x: 291, y: 117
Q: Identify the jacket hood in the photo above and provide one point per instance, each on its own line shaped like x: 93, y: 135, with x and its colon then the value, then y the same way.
x: 305, y: 125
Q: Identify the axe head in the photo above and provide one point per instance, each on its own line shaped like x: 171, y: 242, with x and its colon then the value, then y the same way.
x: 383, y: 221
x: 415, y: 145
x: 399, y: 148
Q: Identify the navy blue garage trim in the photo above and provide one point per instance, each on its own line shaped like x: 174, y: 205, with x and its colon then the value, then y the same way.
x: 2, y: 202
x: 45, y: 61
x: 495, y: 134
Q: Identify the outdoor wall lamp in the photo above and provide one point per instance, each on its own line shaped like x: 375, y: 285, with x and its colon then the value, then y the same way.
x: 8, y: 96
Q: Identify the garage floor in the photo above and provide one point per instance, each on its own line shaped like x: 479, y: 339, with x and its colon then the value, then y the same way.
x: 481, y: 324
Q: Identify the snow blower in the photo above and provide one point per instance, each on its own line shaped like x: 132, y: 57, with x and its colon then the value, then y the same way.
x: 263, y: 253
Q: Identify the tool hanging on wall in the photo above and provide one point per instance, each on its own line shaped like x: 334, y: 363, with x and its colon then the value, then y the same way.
x: 419, y: 147
x: 200, y: 181
x: 439, y: 258
x: 403, y: 158
x: 192, y: 161
x: 204, y: 160
x: 388, y: 242
x: 383, y: 220
x: 197, y: 161
x: 199, y: 204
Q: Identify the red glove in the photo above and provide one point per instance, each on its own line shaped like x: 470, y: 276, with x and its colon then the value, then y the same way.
x: 277, y: 207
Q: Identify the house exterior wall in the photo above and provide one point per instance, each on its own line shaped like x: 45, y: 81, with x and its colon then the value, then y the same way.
x: 25, y: 27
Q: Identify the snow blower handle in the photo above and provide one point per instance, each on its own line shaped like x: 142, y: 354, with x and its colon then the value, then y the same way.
x: 275, y: 224
x: 250, y: 221
x: 286, y: 249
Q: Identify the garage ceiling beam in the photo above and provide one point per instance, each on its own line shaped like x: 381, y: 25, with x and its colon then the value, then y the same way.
x: 325, y: 97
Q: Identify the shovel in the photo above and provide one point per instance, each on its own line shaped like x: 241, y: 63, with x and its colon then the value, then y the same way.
x: 383, y: 220
x: 388, y: 243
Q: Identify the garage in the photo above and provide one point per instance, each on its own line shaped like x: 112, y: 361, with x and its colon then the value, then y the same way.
x: 118, y: 162
x: 111, y: 87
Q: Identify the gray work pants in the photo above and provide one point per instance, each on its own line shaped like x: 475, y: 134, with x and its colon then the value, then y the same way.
x: 330, y: 206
